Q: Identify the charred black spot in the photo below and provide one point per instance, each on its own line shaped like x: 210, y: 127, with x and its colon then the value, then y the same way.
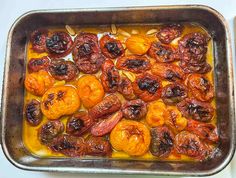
x: 60, y: 69
x: 49, y: 100
x: 113, y: 48
x: 174, y: 92
x: 85, y: 49
x: 135, y: 109
x: 162, y: 51
x: 196, y: 109
x: 205, y: 84
x: 60, y: 95
x: 149, y: 85
x: 172, y: 76
x: 112, y: 79
x: 76, y: 124
x: 134, y: 63
x: 33, y: 112
x: 56, y: 42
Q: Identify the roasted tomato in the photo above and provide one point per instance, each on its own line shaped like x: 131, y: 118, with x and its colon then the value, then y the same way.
x: 86, y: 53
x: 189, y: 144
x: 132, y: 137
x: 98, y: 146
x: 108, y: 105
x: 90, y: 90
x: 59, y: 44
x: 136, y: 64
x: 170, y: 72
x: 192, y: 51
x: 174, y: 119
x: 49, y: 131
x: 200, y: 87
x: 59, y: 101
x: 110, y: 77
x: 163, y: 53
x: 162, y: 141
x: 205, y: 131
x: 36, y: 64
x: 197, y: 110
x: 174, y: 93
x: 38, y: 82
x: 156, y: 114
x: 147, y: 87
x: 138, y: 44
x: 134, y: 109
x: 63, y: 70
x: 111, y: 48
x: 126, y: 89
x: 78, y: 123
x: 169, y: 32
x: 38, y: 40
x: 69, y: 145
x: 105, y: 126
x: 33, y: 113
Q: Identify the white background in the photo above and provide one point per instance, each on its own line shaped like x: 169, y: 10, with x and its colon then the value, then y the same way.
x: 11, y: 9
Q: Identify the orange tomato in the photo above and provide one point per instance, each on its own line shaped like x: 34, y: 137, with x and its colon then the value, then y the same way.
x: 138, y: 44
x: 38, y: 82
x: 90, y: 90
x: 59, y: 101
x: 132, y: 137
x: 156, y: 114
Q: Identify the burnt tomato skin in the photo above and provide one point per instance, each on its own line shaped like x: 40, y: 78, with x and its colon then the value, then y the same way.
x: 110, y: 77
x: 111, y: 48
x: 37, y: 64
x: 197, y: 110
x: 133, y: 63
x: 33, y: 112
x: 134, y: 109
x: 147, y: 87
x: 61, y: 69
x: 126, y: 89
x: 162, y: 141
x: 59, y: 44
x: 38, y: 39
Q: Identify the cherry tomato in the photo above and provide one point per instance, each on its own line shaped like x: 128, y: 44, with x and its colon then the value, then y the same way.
x: 38, y: 40
x: 33, y: 113
x: 37, y: 64
x: 126, y: 89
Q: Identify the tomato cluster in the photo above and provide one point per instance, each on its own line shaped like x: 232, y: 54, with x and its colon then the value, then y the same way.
x: 148, y: 96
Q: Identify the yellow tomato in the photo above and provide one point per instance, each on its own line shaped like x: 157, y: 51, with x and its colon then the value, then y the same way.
x: 156, y: 113
x: 90, y: 90
x: 38, y: 82
x: 59, y: 101
x: 132, y: 137
x: 138, y: 44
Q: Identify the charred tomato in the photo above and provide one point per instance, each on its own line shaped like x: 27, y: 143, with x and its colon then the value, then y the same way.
x: 33, y: 112
x: 37, y: 64
x: 126, y: 89
x: 38, y: 40
x: 147, y: 87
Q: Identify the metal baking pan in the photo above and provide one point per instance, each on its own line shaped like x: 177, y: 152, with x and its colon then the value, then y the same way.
x: 13, y: 88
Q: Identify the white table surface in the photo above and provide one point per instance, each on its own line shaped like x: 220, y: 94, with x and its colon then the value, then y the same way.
x: 11, y: 9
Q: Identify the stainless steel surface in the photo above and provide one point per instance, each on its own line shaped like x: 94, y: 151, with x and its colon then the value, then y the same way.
x: 13, y: 89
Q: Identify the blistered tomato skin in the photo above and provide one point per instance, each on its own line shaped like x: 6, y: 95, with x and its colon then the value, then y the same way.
x: 111, y: 48
x: 70, y: 146
x: 133, y: 63
x: 197, y: 110
x: 59, y: 44
x: 108, y: 105
x: 174, y: 93
x: 98, y: 146
x: 79, y: 123
x: 162, y: 141
x: 147, y: 87
x: 126, y: 89
x: 163, y: 53
x: 49, y: 131
x: 38, y: 82
x: 200, y: 87
x: 87, y: 54
x: 154, y: 118
x: 110, y: 77
x: 205, y: 131
x: 63, y: 70
x: 38, y: 40
x: 134, y: 109
x: 33, y: 113
x: 132, y: 137
x: 37, y: 64
x: 189, y: 144
x: 170, y: 72
x: 105, y: 126
x: 138, y: 44
x: 90, y: 90
x: 59, y: 101
x: 169, y: 32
